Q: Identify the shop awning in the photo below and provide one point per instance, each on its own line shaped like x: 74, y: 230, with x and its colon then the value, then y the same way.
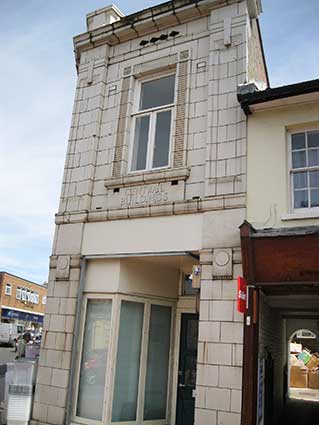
x: 25, y: 316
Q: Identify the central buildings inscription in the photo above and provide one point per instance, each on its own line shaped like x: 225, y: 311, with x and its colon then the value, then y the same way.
x: 144, y: 195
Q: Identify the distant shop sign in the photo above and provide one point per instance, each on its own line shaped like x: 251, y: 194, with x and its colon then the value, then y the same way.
x: 7, y: 313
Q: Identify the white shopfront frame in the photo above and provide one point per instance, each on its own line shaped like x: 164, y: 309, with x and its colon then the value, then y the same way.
x: 86, y: 298
x: 112, y: 356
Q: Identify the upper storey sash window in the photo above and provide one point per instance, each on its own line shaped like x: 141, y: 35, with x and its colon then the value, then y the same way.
x: 153, y: 122
x: 304, y: 170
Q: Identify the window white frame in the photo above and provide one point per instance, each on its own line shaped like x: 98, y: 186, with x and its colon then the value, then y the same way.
x: 148, y: 302
x: 28, y: 295
x: 44, y: 299
x: 110, y: 360
x: 137, y: 113
x: 23, y: 294
x: 291, y: 171
x: 112, y: 356
x: 18, y: 292
x: 8, y: 289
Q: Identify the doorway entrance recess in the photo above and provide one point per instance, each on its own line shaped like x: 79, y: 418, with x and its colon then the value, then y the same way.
x: 187, y: 369
x: 281, y: 269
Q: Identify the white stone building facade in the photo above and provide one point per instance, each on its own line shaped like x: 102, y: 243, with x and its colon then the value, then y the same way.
x: 154, y: 184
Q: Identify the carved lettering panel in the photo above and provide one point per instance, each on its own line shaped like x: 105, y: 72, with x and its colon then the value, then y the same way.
x: 144, y: 195
x: 151, y: 194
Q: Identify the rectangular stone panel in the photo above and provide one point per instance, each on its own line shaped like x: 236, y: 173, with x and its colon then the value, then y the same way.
x: 151, y: 194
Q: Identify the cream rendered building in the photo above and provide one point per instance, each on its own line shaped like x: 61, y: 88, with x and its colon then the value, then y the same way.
x: 271, y: 127
x: 154, y: 184
x: 280, y: 249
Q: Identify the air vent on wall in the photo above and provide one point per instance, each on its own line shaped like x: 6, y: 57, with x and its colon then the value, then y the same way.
x: 162, y: 37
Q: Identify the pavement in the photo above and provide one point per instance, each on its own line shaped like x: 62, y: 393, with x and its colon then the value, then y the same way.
x: 6, y: 354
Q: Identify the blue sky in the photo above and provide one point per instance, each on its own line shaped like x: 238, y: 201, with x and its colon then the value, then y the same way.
x: 37, y: 80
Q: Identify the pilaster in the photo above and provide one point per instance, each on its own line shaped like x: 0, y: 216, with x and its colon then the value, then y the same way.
x: 220, y: 346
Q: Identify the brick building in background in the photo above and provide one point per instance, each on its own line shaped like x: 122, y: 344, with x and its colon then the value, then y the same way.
x: 21, y: 300
x: 154, y: 185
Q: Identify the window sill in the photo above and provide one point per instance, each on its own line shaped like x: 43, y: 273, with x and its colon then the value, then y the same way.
x: 300, y: 216
x: 147, y: 177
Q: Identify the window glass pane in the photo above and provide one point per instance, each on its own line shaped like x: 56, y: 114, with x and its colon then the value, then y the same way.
x: 300, y: 199
x: 96, y: 341
x: 313, y: 139
x: 18, y: 296
x: 128, y: 362
x: 299, y: 159
x: 300, y: 180
x: 140, y: 143
x: 314, y: 194
x: 313, y: 157
x: 157, y: 363
x: 157, y: 92
x: 298, y: 141
x: 162, y: 137
x: 314, y: 178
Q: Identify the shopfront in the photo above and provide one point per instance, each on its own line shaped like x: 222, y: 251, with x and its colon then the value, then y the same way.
x: 21, y: 317
x: 137, y: 345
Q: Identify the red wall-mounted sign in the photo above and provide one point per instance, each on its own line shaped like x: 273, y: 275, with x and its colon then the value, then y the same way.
x: 241, y: 294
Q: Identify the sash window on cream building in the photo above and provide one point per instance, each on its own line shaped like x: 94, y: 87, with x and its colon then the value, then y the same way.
x: 152, y: 124
x: 305, y: 169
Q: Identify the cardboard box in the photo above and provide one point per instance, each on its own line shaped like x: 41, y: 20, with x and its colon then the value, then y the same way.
x: 313, y: 380
x: 313, y: 362
x: 304, y: 356
x: 298, y: 377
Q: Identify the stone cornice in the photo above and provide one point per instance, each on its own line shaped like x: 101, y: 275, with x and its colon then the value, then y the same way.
x: 192, y: 206
x: 151, y: 177
x: 145, y: 22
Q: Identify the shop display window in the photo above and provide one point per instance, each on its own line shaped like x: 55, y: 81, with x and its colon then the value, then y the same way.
x: 95, y: 349
x: 142, y: 365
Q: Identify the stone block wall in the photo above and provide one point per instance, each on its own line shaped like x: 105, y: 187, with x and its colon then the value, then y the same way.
x: 257, y: 70
x: 82, y: 158
x: 220, y: 346
x: 50, y: 397
x: 226, y: 123
x: 210, y: 56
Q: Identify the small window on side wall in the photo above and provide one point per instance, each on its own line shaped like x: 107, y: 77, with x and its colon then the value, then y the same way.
x: 8, y: 289
x: 152, y: 124
x: 304, y: 170
x: 18, y: 294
